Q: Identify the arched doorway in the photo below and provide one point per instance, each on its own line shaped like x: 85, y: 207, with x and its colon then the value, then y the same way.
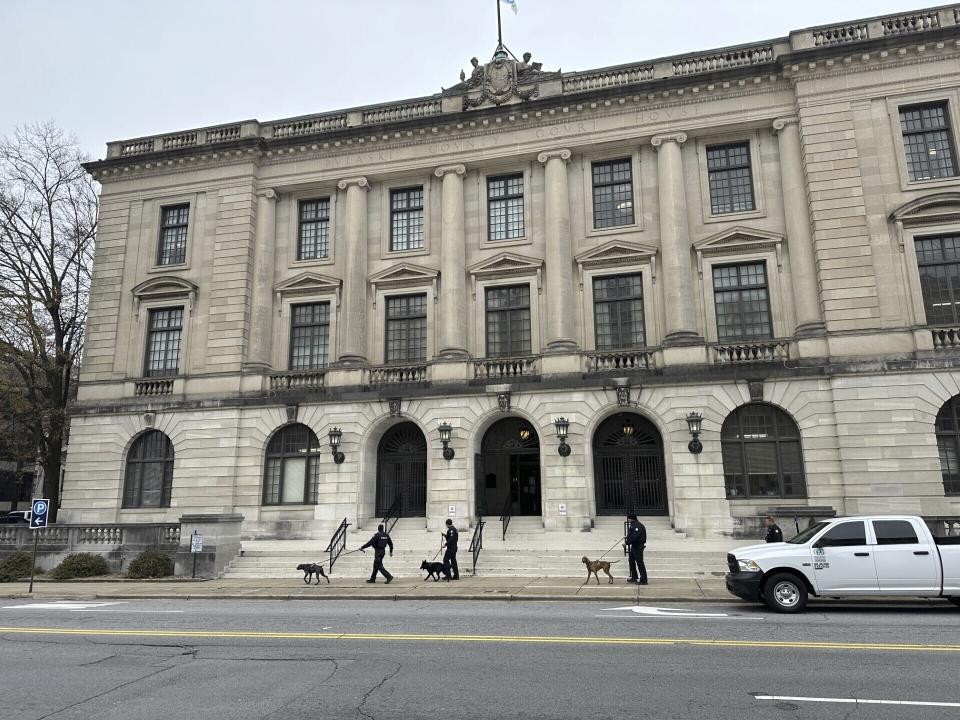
x: 402, y: 471
x: 628, y: 467
x: 508, y: 466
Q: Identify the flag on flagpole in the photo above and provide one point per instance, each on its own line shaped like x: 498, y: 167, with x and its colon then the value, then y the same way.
x: 512, y: 4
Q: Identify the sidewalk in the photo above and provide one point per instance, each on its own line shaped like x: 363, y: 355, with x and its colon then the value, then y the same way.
x: 467, y: 588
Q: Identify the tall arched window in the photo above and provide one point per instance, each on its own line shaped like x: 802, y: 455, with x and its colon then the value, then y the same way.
x: 149, y: 474
x: 762, y: 457
x: 291, y: 473
x: 948, y: 443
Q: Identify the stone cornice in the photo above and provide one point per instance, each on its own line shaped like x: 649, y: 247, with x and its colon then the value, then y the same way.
x: 459, y: 169
x: 679, y: 138
x: 562, y: 154
x: 360, y: 182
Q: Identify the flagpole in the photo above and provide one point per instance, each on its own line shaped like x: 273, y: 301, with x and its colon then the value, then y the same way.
x: 499, y: 32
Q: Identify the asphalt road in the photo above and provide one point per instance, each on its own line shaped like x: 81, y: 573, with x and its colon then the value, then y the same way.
x: 214, y: 659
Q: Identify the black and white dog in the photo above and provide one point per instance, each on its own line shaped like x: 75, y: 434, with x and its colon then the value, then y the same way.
x: 311, y: 569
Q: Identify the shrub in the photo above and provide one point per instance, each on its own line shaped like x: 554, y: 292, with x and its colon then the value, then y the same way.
x: 15, y: 566
x: 150, y: 563
x: 80, y: 565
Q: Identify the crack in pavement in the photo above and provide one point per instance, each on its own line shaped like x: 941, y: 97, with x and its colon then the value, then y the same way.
x: 371, y: 691
x: 309, y: 690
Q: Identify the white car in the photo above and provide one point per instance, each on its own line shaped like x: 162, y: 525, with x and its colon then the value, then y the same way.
x: 848, y: 557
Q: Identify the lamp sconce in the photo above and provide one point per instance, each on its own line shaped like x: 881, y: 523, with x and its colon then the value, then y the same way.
x: 445, y: 431
x: 694, y: 424
x: 335, y: 435
x: 562, y: 426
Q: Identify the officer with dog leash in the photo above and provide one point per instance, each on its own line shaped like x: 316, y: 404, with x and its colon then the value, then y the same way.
x: 450, y: 556
x: 636, y: 540
x: 379, y: 542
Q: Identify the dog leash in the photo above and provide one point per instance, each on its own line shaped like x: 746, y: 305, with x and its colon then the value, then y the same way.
x: 618, y: 542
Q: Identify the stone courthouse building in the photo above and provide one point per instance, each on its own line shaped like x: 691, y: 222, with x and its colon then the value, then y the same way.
x: 578, y: 279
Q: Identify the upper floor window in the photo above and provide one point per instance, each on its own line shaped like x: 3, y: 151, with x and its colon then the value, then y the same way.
x: 173, y: 235
x: 309, y: 336
x: 148, y: 478
x: 730, y: 178
x: 508, y: 321
x: 164, y: 332
x: 406, y: 329
x: 742, y: 301
x: 760, y: 445
x: 928, y: 142
x: 505, y: 207
x: 406, y: 219
x: 618, y: 312
x: 938, y: 261
x: 948, y: 443
x: 612, y: 193
x: 313, y: 237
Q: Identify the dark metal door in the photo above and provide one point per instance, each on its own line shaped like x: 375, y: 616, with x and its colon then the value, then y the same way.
x: 480, y: 486
x: 402, y: 471
x: 628, y: 467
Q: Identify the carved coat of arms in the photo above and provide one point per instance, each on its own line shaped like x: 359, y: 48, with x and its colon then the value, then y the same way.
x: 500, y: 80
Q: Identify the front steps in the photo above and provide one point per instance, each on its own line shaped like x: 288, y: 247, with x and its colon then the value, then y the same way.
x: 528, y: 551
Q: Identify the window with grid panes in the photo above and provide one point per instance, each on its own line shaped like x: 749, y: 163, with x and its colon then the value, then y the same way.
x: 928, y: 142
x: 505, y: 207
x: 948, y: 443
x: 406, y: 219
x: 309, y: 336
x: 618, y: 312
x: 742, y: 302
x: 762, y: 457
x: 314, y: 229
x: 730, y: 178
x: 406, y: 329
x: 938, y: 262
x: 291, y: 473
x: 164, y: 333
x: 508, y: 321
x: 612, y: 193
x: 173, y: 235
x: 148, y: 478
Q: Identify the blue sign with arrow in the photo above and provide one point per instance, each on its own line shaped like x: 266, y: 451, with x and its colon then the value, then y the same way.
x: 39, y: 513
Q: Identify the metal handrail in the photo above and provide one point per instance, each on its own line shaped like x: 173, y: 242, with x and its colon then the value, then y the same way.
x: 338, y: 543
x: 507, y: 513
x: 476, y: 543
x: 392, y: 514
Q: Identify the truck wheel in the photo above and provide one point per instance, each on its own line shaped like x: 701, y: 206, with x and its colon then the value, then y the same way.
x: 954, y: 600
x: 785, y: 593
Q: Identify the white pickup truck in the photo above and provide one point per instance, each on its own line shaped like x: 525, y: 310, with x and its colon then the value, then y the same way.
x: 848, y: 557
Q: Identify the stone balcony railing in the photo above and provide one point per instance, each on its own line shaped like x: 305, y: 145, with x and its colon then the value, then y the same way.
x: 875, y: 28
x: 945, y: 338
x: 620, y: 361
x: 297, y: 381
x: 611, y: 77
x: 397, y: 374
x: 506, y: 368
x: 153, y: 386
x: 751, y: 352
x: 85, y: 537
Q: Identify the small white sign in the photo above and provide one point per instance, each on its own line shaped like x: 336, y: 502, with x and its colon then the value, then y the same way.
x: 452, y: 510
x: 196, y: 543
x: 563, y: 508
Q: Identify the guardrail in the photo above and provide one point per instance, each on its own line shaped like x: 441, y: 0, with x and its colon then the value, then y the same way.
x: 338, y: 543
x: 394, y: 374
x: 153, y: 387
x: 297, y: 380
x: 750, y: 352
x: 621, y: 361
x: 476, y: 543
x: 498, y: 368
x: 506, y: 514
x: 393, y: 514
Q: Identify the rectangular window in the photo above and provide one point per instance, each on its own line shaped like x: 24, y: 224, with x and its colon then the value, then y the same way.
x: 849, y: 534
x: 742, y: 302
x: 505, y: 207
x: 612, y: 193
x: 164, y: 331
x: 894, y: 532
x: 309, y: 336
x: 173, y: 235
x: 928, y: 142
x: 406, y: 336
x: 938, y: 261
x: 314, y: 229
x: 508, y: 321
x: 730, y: 178
x: 406, y: 219
x: 618, y: 312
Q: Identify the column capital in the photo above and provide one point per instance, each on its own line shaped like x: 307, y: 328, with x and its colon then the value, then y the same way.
x: 657, y: 140
x: 781, y: 123
x: 267, y: 194
x: 561, y: 154
x: 360, y: 182
x: 444, y: 169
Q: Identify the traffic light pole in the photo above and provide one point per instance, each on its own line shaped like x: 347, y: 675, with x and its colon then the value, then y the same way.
x: 33, y: 565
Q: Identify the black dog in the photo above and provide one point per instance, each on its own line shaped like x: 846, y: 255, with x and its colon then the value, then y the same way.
x: 311, y: 569
x: 434, y: 569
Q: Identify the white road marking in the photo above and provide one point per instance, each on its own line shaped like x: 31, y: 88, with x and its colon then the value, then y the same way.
x: 859, y: 701
x: 72, y: 606
x: 645, y: 611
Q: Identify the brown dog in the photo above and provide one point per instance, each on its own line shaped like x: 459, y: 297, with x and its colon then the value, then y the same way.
x: 595, y: 566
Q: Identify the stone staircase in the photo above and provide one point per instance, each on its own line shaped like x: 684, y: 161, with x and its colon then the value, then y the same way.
x: 527, y: 551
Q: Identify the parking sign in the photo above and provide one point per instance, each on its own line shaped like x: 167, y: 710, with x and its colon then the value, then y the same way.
x: 38, y: 514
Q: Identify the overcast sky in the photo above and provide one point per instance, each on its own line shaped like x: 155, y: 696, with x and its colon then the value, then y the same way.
x: 109, y: 70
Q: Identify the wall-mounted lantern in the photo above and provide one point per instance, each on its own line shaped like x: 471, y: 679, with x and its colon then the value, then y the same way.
x: 694, y: 424
x: 445, y: 431
x: 562, y: 426
x: 335, y: 436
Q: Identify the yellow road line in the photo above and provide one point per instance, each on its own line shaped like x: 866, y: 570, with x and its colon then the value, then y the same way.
x: 542, y: 639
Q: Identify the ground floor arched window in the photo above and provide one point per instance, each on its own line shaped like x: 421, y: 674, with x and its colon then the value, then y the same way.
x: 762, y: 456
x: 148, y: 477
x: 948, y: 443
x: 291, y: 472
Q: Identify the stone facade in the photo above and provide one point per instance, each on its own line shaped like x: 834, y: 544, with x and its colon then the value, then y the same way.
x: 833, y: 217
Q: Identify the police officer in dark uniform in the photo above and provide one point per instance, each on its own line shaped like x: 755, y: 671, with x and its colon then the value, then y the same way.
x: 774, y: 533
x: 450, y: 556
x: 636, y: 540
x: 379, y: 543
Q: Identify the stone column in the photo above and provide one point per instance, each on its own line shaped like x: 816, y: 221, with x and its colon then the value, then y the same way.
x: 261, y: 323
x: 559, y: 305
x: 681, y: 319
x: 803, y: 264
x: 453, y: 304
x: 353, y: 316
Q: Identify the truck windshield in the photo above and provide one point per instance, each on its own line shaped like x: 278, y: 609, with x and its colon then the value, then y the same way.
x: 807, y: 534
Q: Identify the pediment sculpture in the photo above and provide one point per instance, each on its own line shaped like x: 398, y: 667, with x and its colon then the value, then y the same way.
x: 501, y: 80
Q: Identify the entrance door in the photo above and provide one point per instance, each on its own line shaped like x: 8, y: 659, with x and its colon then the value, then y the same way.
x: 402, y: 471
x: 507, y: 470
x: 628, y: 467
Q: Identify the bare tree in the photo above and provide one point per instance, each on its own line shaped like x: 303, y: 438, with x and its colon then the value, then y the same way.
x: 48, y: 220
